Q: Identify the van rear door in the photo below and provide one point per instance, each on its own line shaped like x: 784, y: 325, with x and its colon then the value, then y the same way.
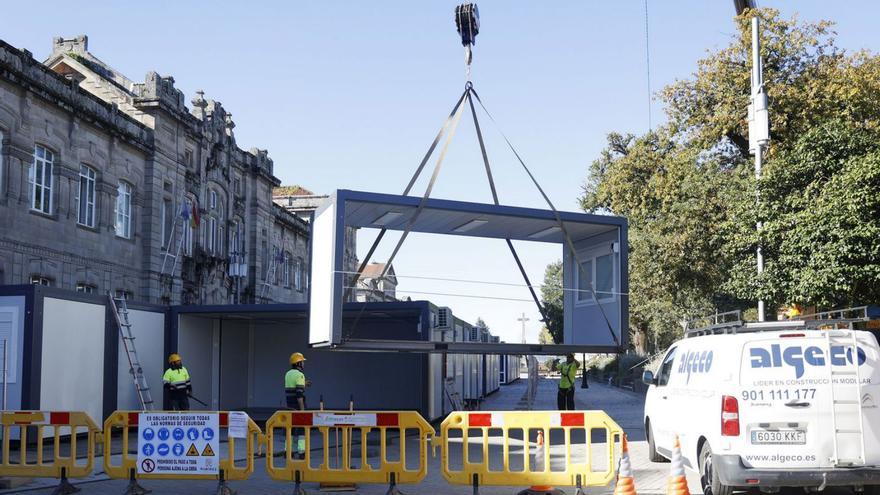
x: 800, y: 403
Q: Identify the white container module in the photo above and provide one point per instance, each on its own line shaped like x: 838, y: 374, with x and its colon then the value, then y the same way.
x: 509, y: 369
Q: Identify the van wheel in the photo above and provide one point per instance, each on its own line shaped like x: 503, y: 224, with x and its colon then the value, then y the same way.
x: 652, y: 449
x: 709, y: 475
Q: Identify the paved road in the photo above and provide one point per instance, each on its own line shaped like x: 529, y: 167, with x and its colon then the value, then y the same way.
x: 624, y: 406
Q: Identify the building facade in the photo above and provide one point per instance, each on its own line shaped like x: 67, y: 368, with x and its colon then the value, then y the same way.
x: 373, y: 287
x: 302, y: 203
x: 110, y: 185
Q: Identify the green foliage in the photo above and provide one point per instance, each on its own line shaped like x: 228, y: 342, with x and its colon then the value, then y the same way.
x: 544, y: 337
x: 551, y: 364
x: 552, y: 300
x: 481, y: 323
x: 821, y: 217
x: 689, y: 192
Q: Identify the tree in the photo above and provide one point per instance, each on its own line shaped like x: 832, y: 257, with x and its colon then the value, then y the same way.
x: 821, y: 217
x: 552, y: 300
x: 551, y: 364
x: 481, y: 323
x: 689, y: 193
x: 544, y: 337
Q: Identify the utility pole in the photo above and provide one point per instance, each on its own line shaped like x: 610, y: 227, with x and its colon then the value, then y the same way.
x: 523, y: 319
x: 759, y: 122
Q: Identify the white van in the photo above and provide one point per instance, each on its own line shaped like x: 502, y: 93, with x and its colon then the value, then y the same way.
x: 769, y: 405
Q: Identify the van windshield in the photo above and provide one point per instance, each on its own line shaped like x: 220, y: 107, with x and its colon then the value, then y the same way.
x: 666, y: 368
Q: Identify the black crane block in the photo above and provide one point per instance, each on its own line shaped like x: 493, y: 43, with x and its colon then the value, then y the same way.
x: 467, y: 21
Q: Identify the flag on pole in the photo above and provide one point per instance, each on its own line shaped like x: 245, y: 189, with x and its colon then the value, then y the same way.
x: 194, y: 220
x: 185, y: 210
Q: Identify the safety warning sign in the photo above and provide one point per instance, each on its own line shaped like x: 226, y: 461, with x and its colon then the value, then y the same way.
x: 184, y: 443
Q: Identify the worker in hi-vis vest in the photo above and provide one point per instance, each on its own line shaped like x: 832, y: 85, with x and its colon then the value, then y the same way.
x: 295, y: 384
x: 568, y: 372
x: 176, y: 380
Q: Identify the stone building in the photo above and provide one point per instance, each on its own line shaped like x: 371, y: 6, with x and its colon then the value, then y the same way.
x: 370, y: 287
x: 105, y: 181
x: 373, y: 287
x: 302, y: 203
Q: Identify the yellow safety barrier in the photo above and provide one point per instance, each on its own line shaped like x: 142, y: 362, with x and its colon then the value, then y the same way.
x: 126, y: 467
x: 336, y: 447
x: 64, y: 424
x: 490, y: 455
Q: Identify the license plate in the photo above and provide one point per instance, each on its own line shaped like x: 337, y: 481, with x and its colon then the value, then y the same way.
x: 779, y: 437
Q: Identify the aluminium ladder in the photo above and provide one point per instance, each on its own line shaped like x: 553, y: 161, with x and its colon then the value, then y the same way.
x: 120, y: 313
x: 452, y: 395
x: 266, y: 287
x: 174, y: 257
x: 846, y: 401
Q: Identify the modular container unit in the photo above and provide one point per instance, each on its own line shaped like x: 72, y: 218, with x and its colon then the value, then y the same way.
x: 491, y: 371
x: 63, y: 351
x: 238, y: 356
x: 473, y: 372
x: 509, y: 369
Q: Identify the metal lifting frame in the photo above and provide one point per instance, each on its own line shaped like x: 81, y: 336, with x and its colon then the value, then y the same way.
x: 451, y: 123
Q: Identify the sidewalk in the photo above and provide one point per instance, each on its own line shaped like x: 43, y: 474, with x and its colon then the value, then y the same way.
x: 622, y: 405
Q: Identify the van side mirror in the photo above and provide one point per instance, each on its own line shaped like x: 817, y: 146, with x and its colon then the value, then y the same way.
x: 648, y: 377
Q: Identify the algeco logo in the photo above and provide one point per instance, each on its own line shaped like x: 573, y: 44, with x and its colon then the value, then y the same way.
x: 798, y: 357
x: 695, y: 362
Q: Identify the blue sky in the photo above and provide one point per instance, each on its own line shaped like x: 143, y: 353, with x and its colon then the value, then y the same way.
x: 350, y: 94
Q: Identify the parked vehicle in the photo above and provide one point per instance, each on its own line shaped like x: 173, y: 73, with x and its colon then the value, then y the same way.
x: 775, y: 404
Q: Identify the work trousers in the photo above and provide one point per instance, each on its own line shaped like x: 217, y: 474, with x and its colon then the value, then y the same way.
x: 565, y: 399
x: 299, y: 434
x: 179, y: 402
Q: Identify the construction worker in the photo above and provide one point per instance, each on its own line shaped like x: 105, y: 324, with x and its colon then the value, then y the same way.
x: 295, y: 384
x: 793, y: 312
x: 176, y: 380
x: 568, y: 375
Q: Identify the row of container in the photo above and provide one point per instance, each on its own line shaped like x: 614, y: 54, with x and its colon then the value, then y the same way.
x: 64, y: 353
x: 472, y: 377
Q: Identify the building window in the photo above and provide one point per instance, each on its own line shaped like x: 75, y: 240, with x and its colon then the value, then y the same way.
x: 86, y: 288
x: 212, y: 200
x: 123, y: 210
x: 187, y: 238
x: 598, y: 276
x: 278, y: 266
x: 40, y: 177
x: 237, y: 186
x: 585, y: 281
x: 298, y: 275
x: 41, y: 280
x: 265, y: 252
x: 188, y: 158
x: 220, y: 240
x: 605, y: 277
x: 212, y: 234
x: 1, y: 162
x: 85, y: 196
x: 235, y: 240
x: 123, y: 294
x: 287, y: 266
x: 167, y: 222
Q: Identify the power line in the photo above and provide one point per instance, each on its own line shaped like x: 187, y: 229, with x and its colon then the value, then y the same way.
x: 490, y: 282
x: 470, y: 296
